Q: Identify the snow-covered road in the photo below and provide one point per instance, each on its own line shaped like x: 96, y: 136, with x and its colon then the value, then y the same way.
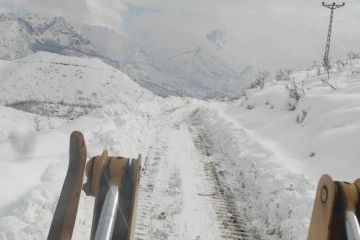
x: 180, y: 195
x: 203, y: 176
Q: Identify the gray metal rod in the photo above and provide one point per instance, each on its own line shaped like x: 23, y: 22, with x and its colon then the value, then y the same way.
x: 352, y: 226
x: 106, y: 223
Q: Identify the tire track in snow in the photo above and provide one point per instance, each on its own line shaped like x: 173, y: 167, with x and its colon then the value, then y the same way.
x: 169, y: 207
x: 231, y: 223
x: 149, y: 213
x: 181, y: 193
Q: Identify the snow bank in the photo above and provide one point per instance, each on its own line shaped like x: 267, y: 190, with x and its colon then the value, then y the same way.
x: 321, y: 133
x: 274, y: 155
x: 278, y: 201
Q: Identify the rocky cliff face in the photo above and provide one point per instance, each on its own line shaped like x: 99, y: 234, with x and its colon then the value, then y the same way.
x: 29, y: 34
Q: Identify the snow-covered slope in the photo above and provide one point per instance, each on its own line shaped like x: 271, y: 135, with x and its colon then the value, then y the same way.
x: 205, y: 72
x: 50, y: 77
x: 321, y: 133
x: 220, y: 67
x: 276, y: 149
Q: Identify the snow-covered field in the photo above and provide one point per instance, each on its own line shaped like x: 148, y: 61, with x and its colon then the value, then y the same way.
x: 211, y: 170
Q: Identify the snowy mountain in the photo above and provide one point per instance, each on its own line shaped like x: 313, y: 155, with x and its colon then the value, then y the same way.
x: 205, y: 72
x: 134, y: 61
x: 195, y: 73
x: 200, y: 72
x: 218, y: 37
x: 29, y: 34
x: 235, y: 55
x: 220, y: 67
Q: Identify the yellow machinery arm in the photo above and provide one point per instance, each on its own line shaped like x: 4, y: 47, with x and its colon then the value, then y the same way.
x: 109, y: 178
x: 336, y: 210
x: 113, y: 181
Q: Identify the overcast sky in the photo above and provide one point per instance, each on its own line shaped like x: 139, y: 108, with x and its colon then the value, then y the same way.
x: 283, y: 33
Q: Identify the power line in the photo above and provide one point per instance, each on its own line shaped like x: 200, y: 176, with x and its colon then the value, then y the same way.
x: 332, y: 7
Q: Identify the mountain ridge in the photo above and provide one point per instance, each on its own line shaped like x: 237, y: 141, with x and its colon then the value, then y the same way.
x: 200, y: 73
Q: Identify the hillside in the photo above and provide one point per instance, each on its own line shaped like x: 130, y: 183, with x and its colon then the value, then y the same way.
x: 50, y: 77
x: 321, y: 132
x: 207, y: 72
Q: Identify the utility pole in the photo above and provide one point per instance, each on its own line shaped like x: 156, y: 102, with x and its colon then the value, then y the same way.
x: 332, y: 7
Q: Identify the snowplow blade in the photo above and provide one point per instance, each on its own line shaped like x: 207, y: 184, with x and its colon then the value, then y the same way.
x: 113, y: 181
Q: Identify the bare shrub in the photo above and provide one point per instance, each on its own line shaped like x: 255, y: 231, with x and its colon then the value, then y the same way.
x: 283, y: 75
x: 325, y: 81
x: 301, y: 117
x: 293, y: 91
x: 318, y: 71
x: 244, y: 93
x: 37, y: 123
x: 51, y: 109
x: 302, y: 88
x: 250, y: 106
x: 294, y: 94
x: 70, y: 111
x: 291, y: 105
x: 50, y: 123
x: 351, y: 55
x: 260, y: 79
x: 355, y: 72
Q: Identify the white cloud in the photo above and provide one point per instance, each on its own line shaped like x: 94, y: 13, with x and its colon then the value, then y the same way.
x: 106, y: 13
x: 283, y: 33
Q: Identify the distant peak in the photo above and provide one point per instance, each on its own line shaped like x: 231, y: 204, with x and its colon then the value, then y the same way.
x: 8, y: 16
x: 59, y: 19
x: 32, y: 16
x: 217, y: 37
